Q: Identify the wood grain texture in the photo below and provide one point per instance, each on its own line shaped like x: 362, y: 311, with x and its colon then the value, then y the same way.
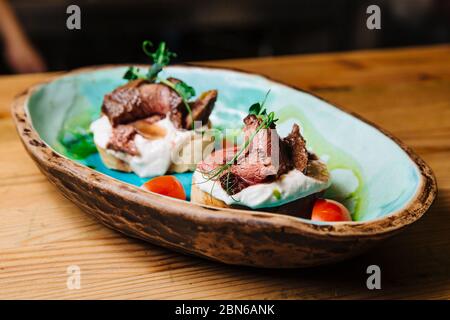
x: 405, y: 91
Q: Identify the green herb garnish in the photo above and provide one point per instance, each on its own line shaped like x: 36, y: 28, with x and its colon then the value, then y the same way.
x: 277, y: 194
x: 267, y: 120
x: 132, y: 74
x: 161, y: 58
x: 185, y: 92
x: 79, y: 143
x: 260, y: 112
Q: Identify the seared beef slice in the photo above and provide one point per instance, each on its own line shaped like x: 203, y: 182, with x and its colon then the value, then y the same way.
x: 132, y: 107
x: 122, y: 140
x: 297, y: 146
x: 201, y: 108
x: 137, y: 100
x: 124, y: 104
x: 266, y: 158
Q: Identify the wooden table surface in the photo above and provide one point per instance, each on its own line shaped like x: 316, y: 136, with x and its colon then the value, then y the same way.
x: 406, y: 91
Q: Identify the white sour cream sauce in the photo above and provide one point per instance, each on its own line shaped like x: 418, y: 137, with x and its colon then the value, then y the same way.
x: 155, y: 155
x: 291, y: 186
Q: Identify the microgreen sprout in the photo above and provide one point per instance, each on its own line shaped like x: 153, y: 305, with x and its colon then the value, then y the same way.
x: 161, y: 58
x: 266, y: 122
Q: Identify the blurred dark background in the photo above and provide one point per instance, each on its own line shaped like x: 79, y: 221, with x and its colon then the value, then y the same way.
x: 112, y: 31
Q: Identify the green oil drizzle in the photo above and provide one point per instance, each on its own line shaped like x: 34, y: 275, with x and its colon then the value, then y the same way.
x: 338, y: 159
x: 74, y: 138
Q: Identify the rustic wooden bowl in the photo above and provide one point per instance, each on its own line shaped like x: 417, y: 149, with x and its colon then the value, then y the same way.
x: 227, y: 235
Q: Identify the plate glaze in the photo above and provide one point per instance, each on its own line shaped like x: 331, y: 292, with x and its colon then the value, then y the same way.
x: 385, y: 185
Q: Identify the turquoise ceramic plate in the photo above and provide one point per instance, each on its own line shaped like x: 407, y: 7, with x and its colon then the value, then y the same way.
x: 384, y: 184
x: 371, y: 174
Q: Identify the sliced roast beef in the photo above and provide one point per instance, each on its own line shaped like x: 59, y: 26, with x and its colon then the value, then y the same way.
x: 160, y: 99
x: 124, y: 104
x: 297, y: 145
x: 122, y: 136
x: 265, y: 158
x: 122, y: 140
x: 232, y: 183
x: 201, y: 108
x: 216, y: 159
x: 140, y: 99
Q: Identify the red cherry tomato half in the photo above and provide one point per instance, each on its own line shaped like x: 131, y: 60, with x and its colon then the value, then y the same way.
x: 167, y: 186
x: 330, y: 210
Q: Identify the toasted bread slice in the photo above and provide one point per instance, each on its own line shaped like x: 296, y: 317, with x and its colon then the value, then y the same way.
x: 201, y: 197
x: 298, y: 208
x: 112, y: 161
